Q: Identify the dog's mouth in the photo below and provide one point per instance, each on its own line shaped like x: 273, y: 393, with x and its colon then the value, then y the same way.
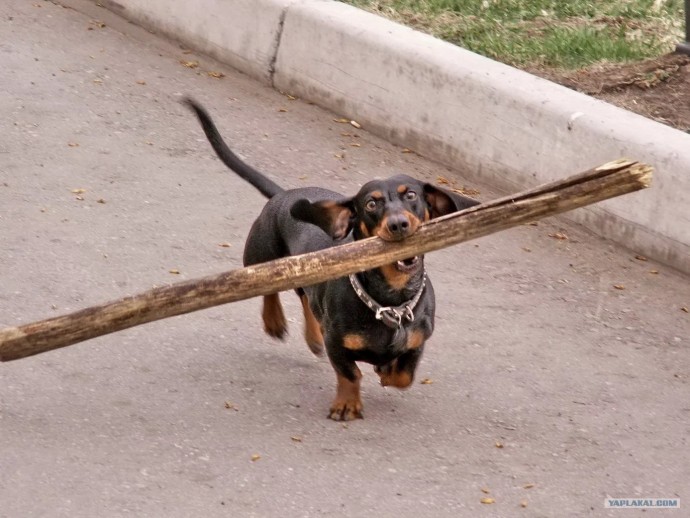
x: 408, y: 265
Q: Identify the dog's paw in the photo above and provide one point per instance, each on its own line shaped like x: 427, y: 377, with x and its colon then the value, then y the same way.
x: 346, y: 410
x: 276, y: 329
x: 391, y: 377
x: 317, y: 348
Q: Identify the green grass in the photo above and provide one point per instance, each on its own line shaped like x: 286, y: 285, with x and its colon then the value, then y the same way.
x: 545, y: 33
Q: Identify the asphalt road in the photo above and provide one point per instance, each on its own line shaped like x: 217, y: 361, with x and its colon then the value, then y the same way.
x: 558, y: 370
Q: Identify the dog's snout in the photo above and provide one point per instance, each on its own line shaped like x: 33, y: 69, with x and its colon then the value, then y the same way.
x: 399, y: 225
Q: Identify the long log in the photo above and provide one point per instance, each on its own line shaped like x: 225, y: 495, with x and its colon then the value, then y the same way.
x: 607, y: 181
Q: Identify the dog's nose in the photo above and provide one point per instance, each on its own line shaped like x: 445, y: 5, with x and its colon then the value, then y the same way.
x: 398, y: 225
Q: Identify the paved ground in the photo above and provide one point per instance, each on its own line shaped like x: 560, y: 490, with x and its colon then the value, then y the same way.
x: 544, y: 373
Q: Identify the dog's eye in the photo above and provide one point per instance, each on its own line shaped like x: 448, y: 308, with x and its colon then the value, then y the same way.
x: 411, y: 195
x: 371, y: 205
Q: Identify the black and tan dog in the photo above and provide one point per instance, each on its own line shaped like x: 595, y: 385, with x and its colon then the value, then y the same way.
x: 382, y: 316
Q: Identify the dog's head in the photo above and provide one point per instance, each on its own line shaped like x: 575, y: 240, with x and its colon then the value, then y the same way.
x: 391, y: 209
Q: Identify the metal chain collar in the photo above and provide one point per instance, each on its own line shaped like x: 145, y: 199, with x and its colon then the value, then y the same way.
x: 392, y: 316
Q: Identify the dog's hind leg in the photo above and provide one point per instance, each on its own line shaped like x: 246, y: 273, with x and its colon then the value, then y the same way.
x: 275, y: 323
x: 312, y: 328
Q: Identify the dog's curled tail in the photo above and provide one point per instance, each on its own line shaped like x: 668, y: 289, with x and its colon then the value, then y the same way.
x: 265, y: 186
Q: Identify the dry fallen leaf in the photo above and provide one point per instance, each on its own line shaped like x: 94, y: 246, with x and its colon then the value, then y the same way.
x: 485, y: 490
x: 355, y: 144
x: 654, y: 272
x: 255, y: 457
x: 73, y: 144
x: 225, y: 245
x: 523, y: 503
x: 356, y: 124
x: 295, y: 438
x: 98, y: 23
x: 230, y: 406
x: 341, y: 121
x: 78, y: 191
x: 526, y: 249
x: 406, y: 150
x: 345, y: 134
x: 282, y: 110
x: 426, y: 381
x: 100, y: 200
x: 98, y: 81
x: 174, y: 271
x: 291, y: 97
x: 640, y: 258
x: 685, y: 309
x: 529, y: 486
x: 487, y: 500
x: 498, y: 444
x: 337, y: 155
x: 141, y: 82
x: 216, y: 75
x: 189, y: 64
x: 619, y: 286
x: 559, y: 235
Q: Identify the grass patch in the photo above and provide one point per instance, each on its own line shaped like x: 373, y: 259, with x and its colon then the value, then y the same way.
x: 564, y: 34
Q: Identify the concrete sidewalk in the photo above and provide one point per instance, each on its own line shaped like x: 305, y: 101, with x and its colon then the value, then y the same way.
x: 558, y: 368
x: 491, y: 122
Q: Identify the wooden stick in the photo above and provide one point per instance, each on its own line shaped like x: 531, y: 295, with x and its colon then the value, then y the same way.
x: 609, y: 180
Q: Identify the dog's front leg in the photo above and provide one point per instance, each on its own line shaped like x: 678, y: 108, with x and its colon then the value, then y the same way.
x: 347, y: 404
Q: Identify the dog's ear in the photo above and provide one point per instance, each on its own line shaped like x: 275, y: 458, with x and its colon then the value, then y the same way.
x: 442, y: 201
x: 335, y: 218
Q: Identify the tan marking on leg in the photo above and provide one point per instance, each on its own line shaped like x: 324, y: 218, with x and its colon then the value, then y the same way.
x: 347, y: 404
x: 275, y: 324
x: 391, y: 377
x: 354, y: 342
x: 312, y: 329
x: 415, y: 339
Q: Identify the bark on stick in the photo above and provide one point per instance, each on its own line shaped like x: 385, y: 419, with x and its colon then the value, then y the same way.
x: 607, y: 181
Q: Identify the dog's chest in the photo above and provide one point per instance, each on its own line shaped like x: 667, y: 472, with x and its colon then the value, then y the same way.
x: 376, y: 343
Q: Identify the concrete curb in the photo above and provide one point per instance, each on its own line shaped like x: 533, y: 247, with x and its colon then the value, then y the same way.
x: 488, y: 120
x: 242, y: 33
